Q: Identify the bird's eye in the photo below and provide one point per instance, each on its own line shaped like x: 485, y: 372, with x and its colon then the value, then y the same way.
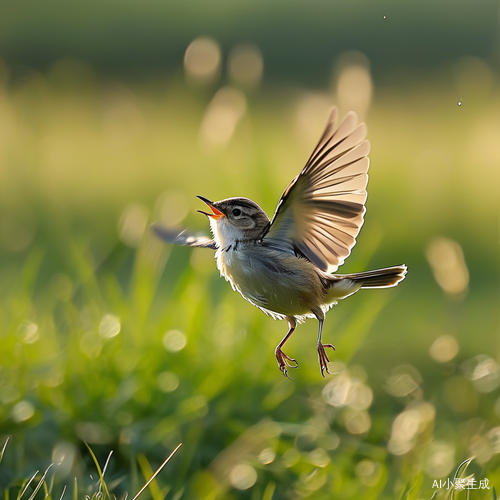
x: 236, y: 212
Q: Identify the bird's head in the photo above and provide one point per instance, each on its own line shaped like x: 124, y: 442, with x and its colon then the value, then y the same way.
x: 235, y: 219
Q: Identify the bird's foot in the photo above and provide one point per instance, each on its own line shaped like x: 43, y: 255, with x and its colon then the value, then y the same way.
x: 323, y: 357
x: 285, y: 362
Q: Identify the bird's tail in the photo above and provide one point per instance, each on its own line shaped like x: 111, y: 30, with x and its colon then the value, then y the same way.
x: 379, y: 278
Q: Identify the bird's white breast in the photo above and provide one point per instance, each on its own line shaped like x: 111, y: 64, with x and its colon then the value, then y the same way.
x: 280, y: 284
x: 225, y: 233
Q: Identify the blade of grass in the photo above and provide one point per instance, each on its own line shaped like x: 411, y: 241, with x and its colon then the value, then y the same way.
x: 148, y: 472
x: 269, y: 491
x: 101, y: 476
x: 48, y: 488
x: 63, y: 492
x: 40, y: 483
x: 463, y: 466
x: 460, y: 470
x: 27, y: 485
x: 152, y: 478
x: 106, y: 464
x: 3, y: 449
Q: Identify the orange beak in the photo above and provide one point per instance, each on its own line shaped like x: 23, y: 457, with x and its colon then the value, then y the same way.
x: 216, y: 214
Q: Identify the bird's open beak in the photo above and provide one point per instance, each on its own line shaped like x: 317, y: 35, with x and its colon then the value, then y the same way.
x: 216, y: 214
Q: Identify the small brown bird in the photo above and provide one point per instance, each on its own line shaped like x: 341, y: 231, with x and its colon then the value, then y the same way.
x: 285, y: 266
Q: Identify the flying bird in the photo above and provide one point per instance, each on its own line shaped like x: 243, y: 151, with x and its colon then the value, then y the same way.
x: 286, y: 266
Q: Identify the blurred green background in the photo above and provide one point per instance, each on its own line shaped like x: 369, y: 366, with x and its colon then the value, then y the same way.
x: 114, y: 115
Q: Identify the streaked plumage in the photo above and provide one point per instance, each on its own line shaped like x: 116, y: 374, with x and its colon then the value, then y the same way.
x: 284, y: 266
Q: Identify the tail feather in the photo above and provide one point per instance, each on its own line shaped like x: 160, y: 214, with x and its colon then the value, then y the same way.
x: 379, y: 278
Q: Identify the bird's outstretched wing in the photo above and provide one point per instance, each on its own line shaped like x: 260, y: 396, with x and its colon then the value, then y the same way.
x: 182, y: 238
x: 321, y: 211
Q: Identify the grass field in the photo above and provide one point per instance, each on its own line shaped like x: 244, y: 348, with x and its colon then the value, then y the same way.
x: 108, y: 337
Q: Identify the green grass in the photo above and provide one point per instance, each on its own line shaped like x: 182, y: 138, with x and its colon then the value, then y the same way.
x: 135, y: 349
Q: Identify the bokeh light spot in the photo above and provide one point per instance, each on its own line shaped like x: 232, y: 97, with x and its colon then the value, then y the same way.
x: 202, y: 60
x: 132, y: 224
x: 267, y: 456
x: 439, y: 459
x: 223, y: 114
x: 174, y: 341
x: 109, y: 326
x: 243, y: 476
x: 168, y: 381
x: 357, y: 422
x: 347, y: 389
x: 22, y: 411
x: 194, y: 407
x: 246, y: 65
x: 290, y: 457
x: 94, y: 432
x: 354, y: 83
x: 63, y: 455
x: 483, y: 371
x: 447, y: 262
x: 404, y: 381
x: 319, y: 457
x: 481, y: 448
x: 91, y: 344
x: 368, y: 472
x: 494, y: 437
x: 407, y: 426
x: 28, y: 332
x: 444, y: 348
x: 311, y: 113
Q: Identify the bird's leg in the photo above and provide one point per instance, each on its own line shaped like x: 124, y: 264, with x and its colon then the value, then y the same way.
x: 285, y: 361
x: 322, y: 356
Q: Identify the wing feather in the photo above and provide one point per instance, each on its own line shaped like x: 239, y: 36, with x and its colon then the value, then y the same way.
x: 321, y: 212
x: 182, y: 238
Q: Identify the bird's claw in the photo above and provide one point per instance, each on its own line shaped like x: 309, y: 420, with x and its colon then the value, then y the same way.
x: 323, y: 357
x: 285, y: 361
